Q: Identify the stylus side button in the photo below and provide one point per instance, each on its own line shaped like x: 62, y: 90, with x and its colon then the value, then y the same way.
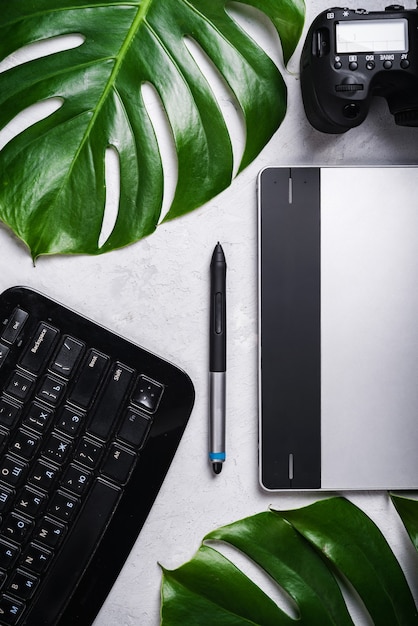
x: 218, y: 313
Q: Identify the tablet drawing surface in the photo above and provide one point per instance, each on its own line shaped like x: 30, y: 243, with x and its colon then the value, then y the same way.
x: 338, y: 321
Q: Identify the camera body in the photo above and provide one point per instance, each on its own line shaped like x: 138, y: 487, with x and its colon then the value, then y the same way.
x: 349, y: 56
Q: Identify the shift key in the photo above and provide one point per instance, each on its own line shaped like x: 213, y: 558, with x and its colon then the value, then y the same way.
x: 91, y: 374
x: 111, y: 400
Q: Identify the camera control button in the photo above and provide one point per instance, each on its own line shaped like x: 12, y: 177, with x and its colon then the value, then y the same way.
x: 338, y: 65
x: 370, y: 65
x: 387, y: 65
x: 404, y: 64
x: 351, y: 111
x: 353, y: 65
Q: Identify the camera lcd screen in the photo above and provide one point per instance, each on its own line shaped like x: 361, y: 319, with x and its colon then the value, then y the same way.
x: 372, y: 36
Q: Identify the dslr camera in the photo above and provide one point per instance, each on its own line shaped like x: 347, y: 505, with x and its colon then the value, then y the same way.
x: 349, y: 56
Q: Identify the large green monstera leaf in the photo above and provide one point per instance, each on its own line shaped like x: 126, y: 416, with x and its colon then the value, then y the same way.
x: 53, y: 174
x: 311, y: 554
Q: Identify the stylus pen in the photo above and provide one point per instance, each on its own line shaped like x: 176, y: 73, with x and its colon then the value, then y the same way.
x: 217, y: 359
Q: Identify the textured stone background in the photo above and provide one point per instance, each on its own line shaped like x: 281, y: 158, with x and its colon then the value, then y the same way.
x: 156, y: 294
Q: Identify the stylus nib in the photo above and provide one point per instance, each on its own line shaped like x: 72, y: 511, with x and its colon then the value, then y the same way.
x: 217, y: 467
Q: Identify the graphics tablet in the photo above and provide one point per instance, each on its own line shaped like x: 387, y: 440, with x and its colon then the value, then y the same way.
x: 338, y: 328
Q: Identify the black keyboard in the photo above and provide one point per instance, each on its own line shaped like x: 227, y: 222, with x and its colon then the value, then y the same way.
x: 89, y: 424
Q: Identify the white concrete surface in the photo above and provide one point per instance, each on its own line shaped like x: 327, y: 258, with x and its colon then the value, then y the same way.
x: 156, y: 293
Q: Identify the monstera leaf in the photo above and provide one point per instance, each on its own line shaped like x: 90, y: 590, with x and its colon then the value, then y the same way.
x: 308, y: 552
x: 408, y: 510
x: 52, y: 174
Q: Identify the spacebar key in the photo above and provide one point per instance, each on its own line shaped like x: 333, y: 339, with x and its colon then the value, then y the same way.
x: 75, y: 555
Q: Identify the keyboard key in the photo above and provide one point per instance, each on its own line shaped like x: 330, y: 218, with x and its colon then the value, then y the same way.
x: 11, y: 471
x: 118, y: 464
x: 39, y: 348
x: 67, y: 357
x: 107, y: 408
x: 69, y: 421
x: 49, y: 532
x: 57, y: 448
x: 10, y: 611
x: 30, y: 502
x: 75, y: 480
x: 22, y: 585
x: 24, y: 445
x: 8, y: 413
x: 147, y: 394
x: 16, y: 528
x: 36, y: 558
x: 88, y: 453
x: 43, y: 476
x: 63, y: 507
x: 92, y: 372
x: 6, y: 496
x: 4, y: 351
x: 3, y: 440
x: 38, y: 417
x: 51, y: 390
x: 20, y: 386
x: 15, y: 325
x: 134, y: 428
x: 8, y: 554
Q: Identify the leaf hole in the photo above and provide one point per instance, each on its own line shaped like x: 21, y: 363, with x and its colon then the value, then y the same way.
x: 166, y: 145
x: 354, y: 603
x: 39, y: 49
x: 28, y: 117
x: 259, y: 577
x: 112, y: 182
x: 224, y: 96
x: 259, y: 27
